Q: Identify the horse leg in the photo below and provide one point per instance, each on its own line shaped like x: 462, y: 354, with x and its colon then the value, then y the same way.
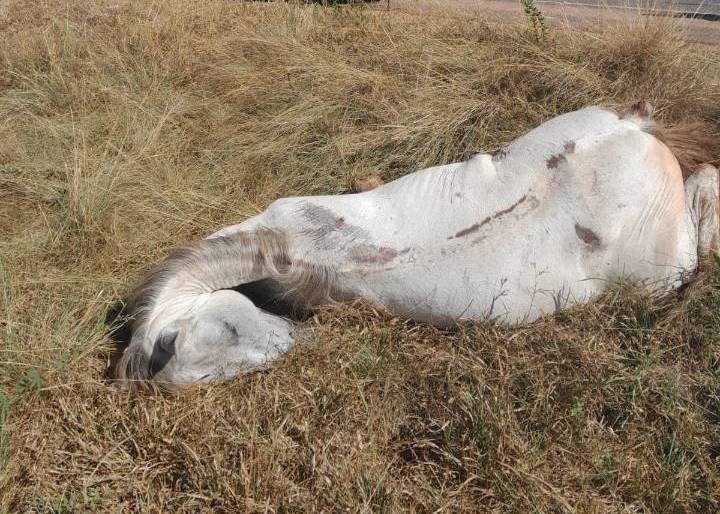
x: 277, y: 216
x: 702, y: 191
x: 249, y: 225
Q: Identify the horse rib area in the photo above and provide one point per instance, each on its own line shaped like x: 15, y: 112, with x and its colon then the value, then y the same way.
x: 477, y: 226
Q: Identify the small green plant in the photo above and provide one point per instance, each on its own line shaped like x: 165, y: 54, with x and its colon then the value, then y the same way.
x: 92, y: 498
x: 537, y: 20
x: 31, y: 381
x: 485, y: 433
x: 61, y: 506
x: 62, y: 358
x: 363, y: 362
x: 577, y: 414
x: 4, y: 437
x: 607, y: 474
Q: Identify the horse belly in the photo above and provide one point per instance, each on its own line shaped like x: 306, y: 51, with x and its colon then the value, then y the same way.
x: 517, y: 268
x: 514, y: 275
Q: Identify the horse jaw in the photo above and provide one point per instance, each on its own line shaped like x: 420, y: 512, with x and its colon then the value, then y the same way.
x: 208, y: 337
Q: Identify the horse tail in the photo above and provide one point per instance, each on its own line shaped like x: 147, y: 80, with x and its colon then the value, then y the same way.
x: 694, y: 144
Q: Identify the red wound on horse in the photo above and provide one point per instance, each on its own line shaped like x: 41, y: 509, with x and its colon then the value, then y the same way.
x: 587, y: 236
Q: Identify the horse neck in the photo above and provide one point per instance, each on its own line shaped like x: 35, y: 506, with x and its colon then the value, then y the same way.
x: 190, y: 272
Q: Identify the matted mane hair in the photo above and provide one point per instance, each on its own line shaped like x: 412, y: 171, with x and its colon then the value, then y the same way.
x: 222, y: 263
x: 692, y: 143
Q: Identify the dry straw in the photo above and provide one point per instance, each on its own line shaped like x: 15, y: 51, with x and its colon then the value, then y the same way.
x: 129, y: 127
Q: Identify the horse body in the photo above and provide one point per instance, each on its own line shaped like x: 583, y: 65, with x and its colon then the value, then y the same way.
x: 585, y: 198
x: 582, y: 199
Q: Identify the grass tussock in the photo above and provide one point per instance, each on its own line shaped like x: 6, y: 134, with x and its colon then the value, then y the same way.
x: 129, y: 127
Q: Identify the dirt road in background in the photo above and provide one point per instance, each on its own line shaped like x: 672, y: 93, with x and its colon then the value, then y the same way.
x: 700, y: 31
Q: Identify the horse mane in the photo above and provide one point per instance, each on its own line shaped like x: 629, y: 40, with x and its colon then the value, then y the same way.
x: 222, y: 263
x: 134, y: 367
x: 694, y: 144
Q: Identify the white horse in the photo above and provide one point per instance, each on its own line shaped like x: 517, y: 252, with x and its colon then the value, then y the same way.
x: 546, y: 222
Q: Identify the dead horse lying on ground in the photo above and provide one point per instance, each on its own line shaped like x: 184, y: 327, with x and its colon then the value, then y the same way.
x: 546, y: 222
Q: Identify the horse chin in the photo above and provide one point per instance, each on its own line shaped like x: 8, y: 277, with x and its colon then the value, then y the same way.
x: 189, y: 377
x: 214, y: 357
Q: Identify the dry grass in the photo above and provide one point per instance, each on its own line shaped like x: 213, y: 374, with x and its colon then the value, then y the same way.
x: 129, y: 127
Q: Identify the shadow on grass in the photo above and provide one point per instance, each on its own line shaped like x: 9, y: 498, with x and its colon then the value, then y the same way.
x: 117, y: 321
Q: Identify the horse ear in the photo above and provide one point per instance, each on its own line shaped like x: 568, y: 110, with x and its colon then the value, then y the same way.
x: 166, y: 340
x: 163, y: 349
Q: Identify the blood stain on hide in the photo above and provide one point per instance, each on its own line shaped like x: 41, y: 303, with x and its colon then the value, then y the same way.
x: 370, y: 254
x: 587, y: 236
x: 387, y: 254
x: 555, y: 160
x: 476, y: 226
x: 464, y: 232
